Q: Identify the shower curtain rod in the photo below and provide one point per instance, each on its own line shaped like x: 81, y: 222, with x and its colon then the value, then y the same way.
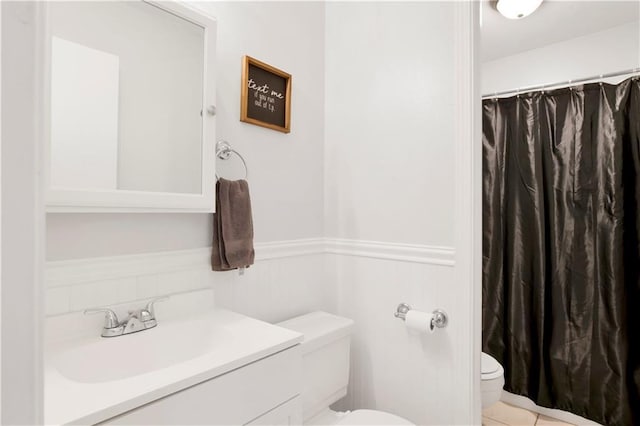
x: 560, y: 84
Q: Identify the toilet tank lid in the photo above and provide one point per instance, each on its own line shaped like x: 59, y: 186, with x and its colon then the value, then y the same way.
x: 319, y: 328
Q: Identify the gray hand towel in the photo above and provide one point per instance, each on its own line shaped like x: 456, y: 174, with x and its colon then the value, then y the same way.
x: 232, y: 226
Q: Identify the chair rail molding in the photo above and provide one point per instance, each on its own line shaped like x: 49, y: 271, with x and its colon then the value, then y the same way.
x: 468, y: 209
x: 75, y: 271
x: 416, y: 253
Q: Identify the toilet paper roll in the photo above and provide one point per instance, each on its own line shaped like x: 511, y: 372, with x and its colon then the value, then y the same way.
x: 419, y: 321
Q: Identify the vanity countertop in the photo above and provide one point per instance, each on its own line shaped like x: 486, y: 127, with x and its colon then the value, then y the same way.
x: 74, y: 393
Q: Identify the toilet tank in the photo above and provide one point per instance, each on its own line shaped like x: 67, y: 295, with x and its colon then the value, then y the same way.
x: 325, y: 359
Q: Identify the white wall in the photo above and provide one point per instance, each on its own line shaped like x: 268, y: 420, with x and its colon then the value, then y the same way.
x: 388, y: 111
x: 613, y: 50
x: 78, y: 235
x: 286, y: 170
x: 389, y: 170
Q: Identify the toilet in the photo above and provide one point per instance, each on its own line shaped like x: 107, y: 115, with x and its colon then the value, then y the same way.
x: 492, y: 380
x: 325, y: 372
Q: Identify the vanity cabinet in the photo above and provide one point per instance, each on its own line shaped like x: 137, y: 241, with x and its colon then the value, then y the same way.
x: 265, y: 392
x: 288, y: 414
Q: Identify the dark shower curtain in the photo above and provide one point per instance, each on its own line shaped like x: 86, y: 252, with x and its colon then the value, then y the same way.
x: 561, y: 235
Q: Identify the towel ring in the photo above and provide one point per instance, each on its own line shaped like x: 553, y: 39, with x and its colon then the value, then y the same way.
x: 224, y: 151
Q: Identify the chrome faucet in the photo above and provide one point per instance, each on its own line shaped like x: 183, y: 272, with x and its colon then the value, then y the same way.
x: 137, y: 320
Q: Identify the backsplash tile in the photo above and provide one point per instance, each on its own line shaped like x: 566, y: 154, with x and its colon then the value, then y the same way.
x: 126, y: 289
x: 73, y: 286
x: 147, y: 286
x: 72, y: 325
x: 93, y: 294
x: 58, y: 300
x: 177, y: 281
x: 81, y: 296
x: 289, y: 278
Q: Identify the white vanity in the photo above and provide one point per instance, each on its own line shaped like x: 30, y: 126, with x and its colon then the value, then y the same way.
x: 207, y: 367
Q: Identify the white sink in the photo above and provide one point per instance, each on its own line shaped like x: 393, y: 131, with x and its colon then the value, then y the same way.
x: 116, y: 358
x: 89, y: 379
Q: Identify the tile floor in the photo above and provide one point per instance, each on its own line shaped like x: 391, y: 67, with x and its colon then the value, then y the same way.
x: 501, y: 414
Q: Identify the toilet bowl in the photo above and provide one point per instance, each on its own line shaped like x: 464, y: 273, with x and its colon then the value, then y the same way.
x: 492, y: 380
x: 325, y: 372
x: 372, y: 417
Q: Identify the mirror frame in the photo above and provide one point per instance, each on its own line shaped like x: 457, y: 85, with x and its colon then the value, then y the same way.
x: 87, y: 201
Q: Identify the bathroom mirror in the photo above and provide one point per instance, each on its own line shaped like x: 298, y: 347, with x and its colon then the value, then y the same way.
x: 131, y: 118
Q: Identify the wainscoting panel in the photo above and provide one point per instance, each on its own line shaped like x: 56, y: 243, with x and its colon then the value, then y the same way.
x: 288, y: 277
x: 74, y: 285
x: 393, y: 369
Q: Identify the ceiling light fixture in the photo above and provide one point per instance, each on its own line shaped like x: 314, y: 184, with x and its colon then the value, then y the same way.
x: 517, y: 9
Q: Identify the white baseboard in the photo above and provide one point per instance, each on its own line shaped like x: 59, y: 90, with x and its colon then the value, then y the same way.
x: 527, y: 404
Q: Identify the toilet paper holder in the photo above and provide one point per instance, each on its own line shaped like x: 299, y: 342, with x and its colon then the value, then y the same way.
x: 440, y: 318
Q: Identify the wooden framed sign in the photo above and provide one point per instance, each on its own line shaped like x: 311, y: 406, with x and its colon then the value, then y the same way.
x: 265, y: 95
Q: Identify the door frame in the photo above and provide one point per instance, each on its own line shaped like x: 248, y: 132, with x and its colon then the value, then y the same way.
x: 468, y: 207
x: 23, y: 214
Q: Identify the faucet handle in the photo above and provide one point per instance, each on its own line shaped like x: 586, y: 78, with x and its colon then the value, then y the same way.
x: 149, y: 307
x: 110, y: 317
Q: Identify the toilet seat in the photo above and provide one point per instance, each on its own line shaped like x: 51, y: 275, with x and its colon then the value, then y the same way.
x: 491, y: 368
x: 373, y: 417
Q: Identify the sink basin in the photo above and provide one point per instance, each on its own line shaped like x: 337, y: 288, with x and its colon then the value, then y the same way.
x: 89, y: 379
x: 115, y: 358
